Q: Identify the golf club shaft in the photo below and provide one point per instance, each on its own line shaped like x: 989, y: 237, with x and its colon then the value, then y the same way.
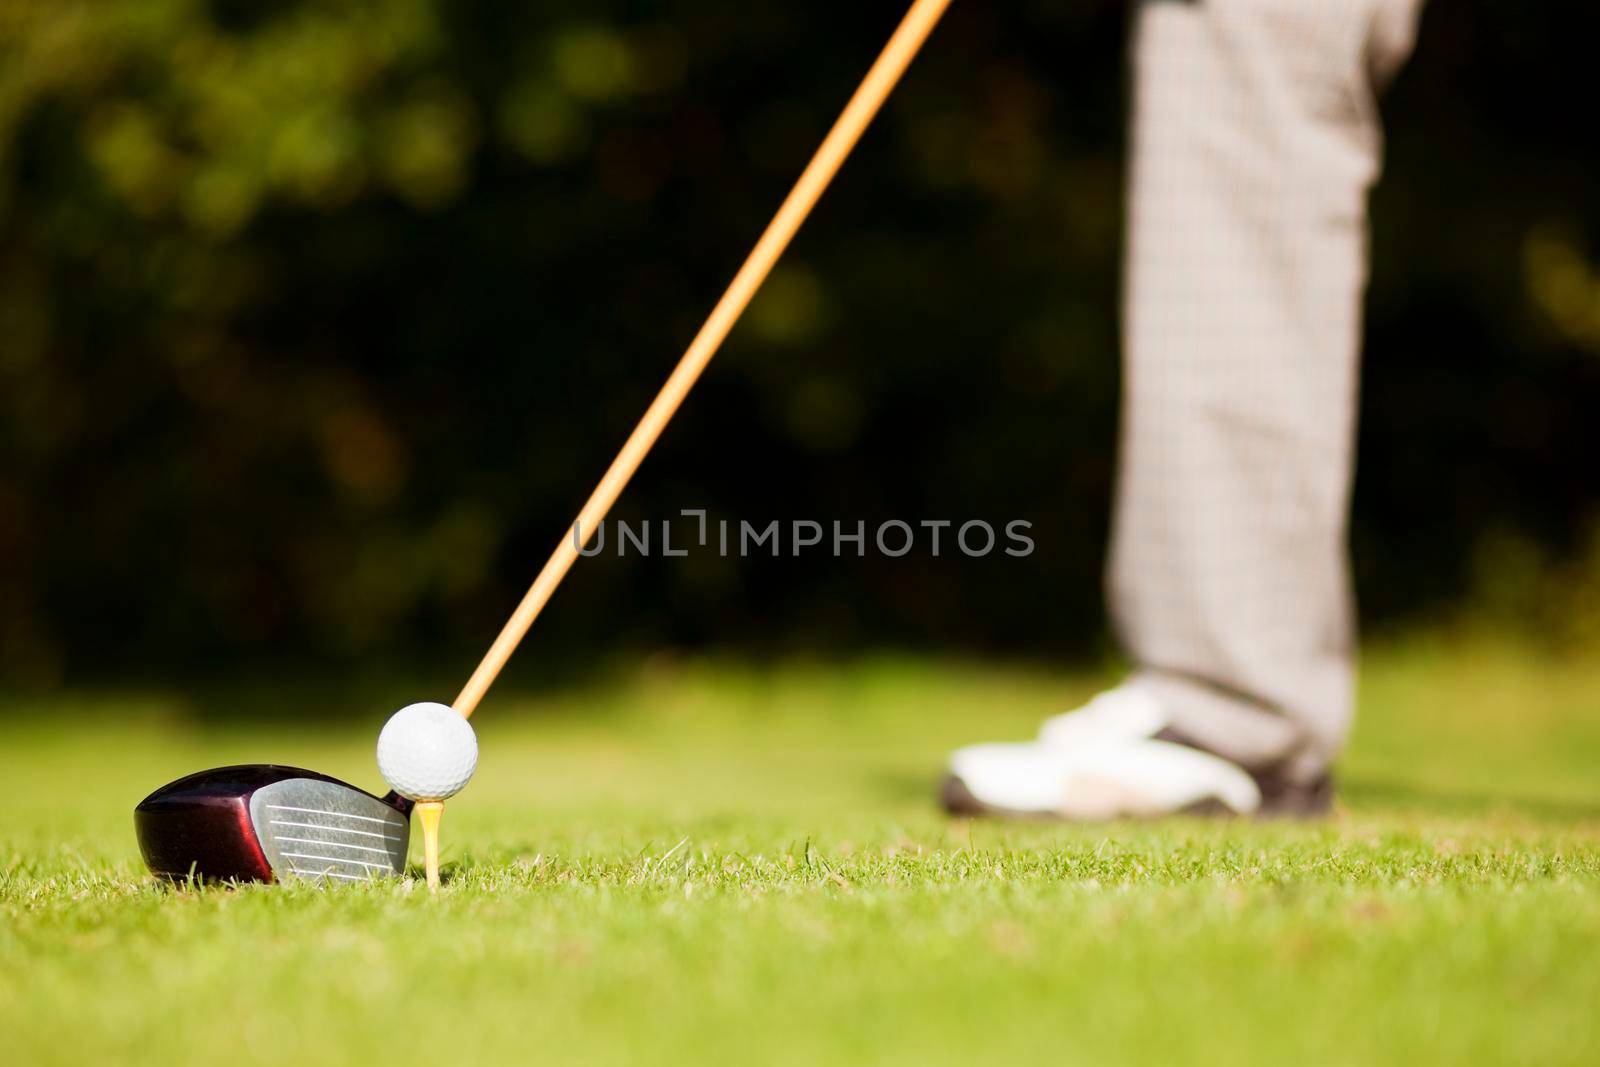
x: 875, y: 88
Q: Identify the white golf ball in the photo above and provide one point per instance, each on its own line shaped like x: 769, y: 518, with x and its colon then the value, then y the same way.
x: 427, y: 751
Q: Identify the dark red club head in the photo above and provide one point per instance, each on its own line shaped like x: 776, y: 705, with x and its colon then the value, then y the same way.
x: 264, y: 823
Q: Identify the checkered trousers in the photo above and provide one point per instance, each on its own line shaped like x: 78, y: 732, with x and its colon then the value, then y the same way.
x: 1255, y: 141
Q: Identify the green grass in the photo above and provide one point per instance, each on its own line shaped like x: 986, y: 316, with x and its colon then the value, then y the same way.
x: 707, y: 863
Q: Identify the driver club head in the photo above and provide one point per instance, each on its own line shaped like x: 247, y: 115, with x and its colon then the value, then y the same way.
x: 266, y: 823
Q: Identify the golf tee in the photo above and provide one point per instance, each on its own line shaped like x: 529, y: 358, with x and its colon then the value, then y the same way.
x: 429, y: 812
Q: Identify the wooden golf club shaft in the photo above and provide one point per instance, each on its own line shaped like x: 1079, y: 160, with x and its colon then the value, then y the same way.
x: 875, y: 88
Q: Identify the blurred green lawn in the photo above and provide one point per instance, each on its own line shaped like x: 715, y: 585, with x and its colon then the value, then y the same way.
x: 710, y: 861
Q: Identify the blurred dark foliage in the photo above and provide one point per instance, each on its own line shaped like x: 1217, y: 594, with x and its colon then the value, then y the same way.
x: 318, y: 321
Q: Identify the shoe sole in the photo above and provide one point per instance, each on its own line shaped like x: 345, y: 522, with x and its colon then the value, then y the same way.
x: 1299, y: 802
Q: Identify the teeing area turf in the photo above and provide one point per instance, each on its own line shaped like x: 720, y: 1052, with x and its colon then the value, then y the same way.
x: 710, y: 862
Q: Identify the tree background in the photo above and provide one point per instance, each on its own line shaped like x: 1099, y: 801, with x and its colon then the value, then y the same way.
x: 319, y: 320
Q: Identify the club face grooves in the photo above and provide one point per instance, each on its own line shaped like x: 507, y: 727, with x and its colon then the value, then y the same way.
x: 326, y: 831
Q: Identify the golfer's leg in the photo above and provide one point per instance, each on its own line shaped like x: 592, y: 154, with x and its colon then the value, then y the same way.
x: 1255, y: 140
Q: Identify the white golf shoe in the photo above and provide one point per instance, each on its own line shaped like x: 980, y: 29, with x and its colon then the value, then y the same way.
x: 1102, y: 761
